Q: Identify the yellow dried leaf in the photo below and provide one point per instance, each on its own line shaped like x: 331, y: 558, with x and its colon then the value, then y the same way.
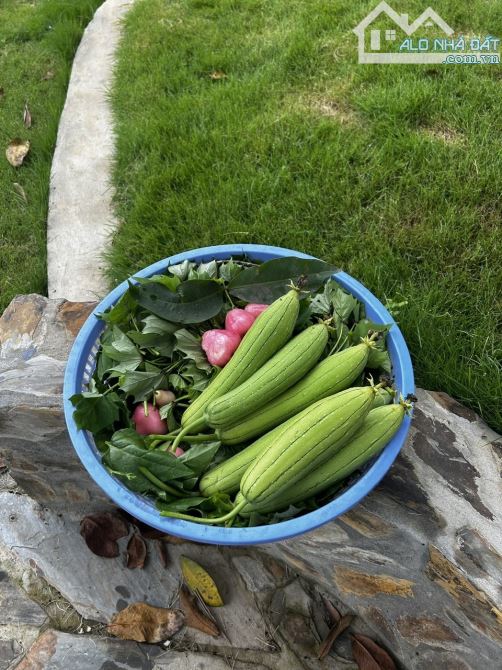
x: 199, y: 581
x: 16, y: 151
x: 145, y: 623
x: 216, y: 75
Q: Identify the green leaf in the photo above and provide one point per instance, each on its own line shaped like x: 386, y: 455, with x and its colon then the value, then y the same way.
x: 343, y: 303
x: 198, y: 378
x: 230, y: 270
x: 181, y: 270
x: 122, y: 351
x: 161, y: 342
x: 153, y: 324
x: 140, y: 385
x: 127, y: 436
x: 363, y: 327
x: 171, y: 283
x: 166, y: 410
x: 177, y: 382
x: 127, y: 452
x: 181, y: 504
x: 95, y: 411
x: 213, y: 506
x: 122, y: 311
x: 204, y: 271
x: 199, y: 456
x: 268, y: 281
x: 193, y: 302
x: 190, y: 345
x: 379, y: 359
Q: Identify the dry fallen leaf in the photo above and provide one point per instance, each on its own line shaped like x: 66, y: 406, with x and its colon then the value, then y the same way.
x: 48, y: 75
x: 27, y: 116
x: 144, y: 623
x: 333, y: 614
x: 136, y: 551
x: 199, y: 581
x: 19, y: 190
x: 163, y: 555
x: 16, y: 151
x: 101, y: 531
x: 339, y: 623
x: 216, y: 75
x: 194, y: 618
x: 369, y: 655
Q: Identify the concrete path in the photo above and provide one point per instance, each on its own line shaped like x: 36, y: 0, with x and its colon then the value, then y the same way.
x: 81, y: 217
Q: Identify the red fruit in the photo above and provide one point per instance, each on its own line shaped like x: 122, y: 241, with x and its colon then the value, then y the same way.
x: 179, y: 452
x: 239, y: 321
x: 255, y: 309
x: 151, y: 424
x: 220, y: 345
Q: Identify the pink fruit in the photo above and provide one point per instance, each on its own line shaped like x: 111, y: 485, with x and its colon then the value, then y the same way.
x: 179, y: 452
x: 151, y: 424
x: 239, y: 321
x: 255, y: 309
x: 220, y: 345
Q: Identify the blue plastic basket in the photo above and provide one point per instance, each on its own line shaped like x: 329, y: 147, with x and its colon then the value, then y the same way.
x: 80, y: 368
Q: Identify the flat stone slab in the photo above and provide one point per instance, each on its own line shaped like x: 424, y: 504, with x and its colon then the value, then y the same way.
x: 20, y: 620
x: 99, y: 587
x: 80, y: 219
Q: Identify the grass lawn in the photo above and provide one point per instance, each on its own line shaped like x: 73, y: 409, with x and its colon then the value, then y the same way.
x: 37, y: 44
x: 251, y: 121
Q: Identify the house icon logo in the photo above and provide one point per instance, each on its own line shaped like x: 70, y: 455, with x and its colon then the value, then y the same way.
x: 373, y: 41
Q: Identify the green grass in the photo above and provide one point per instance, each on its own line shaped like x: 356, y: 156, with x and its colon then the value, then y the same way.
x: 392, y: 172
x: 36, y: 38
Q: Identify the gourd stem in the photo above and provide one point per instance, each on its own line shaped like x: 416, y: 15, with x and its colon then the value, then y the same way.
x: 165, y: 487
x: 205, y: 437
x: 195, y: 426
x: 196, y: 519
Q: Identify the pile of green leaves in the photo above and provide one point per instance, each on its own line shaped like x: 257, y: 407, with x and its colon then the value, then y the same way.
x: 152, y: 340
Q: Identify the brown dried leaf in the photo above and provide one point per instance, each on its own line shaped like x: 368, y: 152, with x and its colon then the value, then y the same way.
x: 136, y: 552
x: 20, y: 191
x: 194, y: 618
x: 163, y: 555
x: 17, y: 151
x: 216, y: 75
x: 369, y: 655
x: 144, y: 623
x: 201, y: 582
x: 27, y: 120
x: 333, y: 614
x: 101, y: 531
x: 48, y: 75
x: 335, y: 632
